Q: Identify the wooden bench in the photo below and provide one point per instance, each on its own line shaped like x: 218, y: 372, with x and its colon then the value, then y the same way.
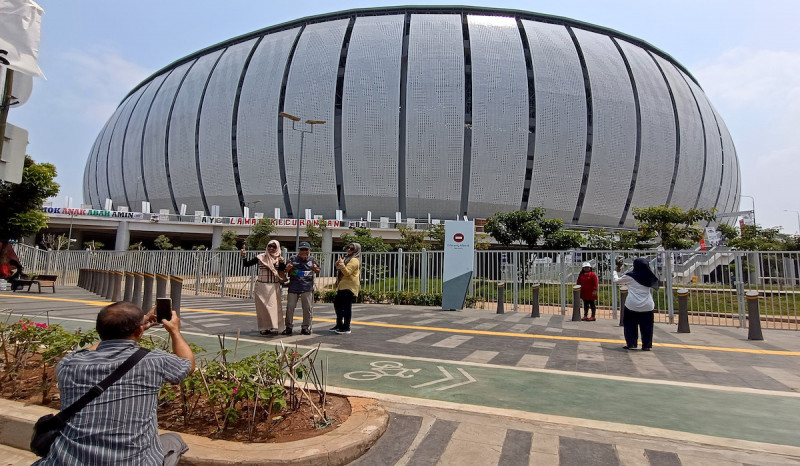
x: 47, y: 281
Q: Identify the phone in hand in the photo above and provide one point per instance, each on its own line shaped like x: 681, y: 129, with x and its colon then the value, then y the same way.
x: 163, y: 309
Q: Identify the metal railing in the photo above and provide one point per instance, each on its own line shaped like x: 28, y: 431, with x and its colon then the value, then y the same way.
x: 717, y: 280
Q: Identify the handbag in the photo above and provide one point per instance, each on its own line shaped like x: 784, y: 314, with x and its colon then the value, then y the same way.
x: 48, y: 428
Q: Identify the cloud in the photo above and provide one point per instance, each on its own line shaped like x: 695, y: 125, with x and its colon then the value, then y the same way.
x: 757, y: 92
x: 100, y: 79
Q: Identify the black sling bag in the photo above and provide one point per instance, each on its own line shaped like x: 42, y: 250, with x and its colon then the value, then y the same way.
x: 48, y: 427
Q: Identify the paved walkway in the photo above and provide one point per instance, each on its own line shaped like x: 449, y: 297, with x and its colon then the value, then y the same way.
x: 509, y: 389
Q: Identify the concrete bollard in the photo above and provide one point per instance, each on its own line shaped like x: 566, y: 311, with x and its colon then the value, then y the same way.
x: 753, y: 316
x: 87, y: 284
x: 109, y: 290
x: 81, y: 277
x: 535, y: 301
x: 102, y: 283
x: 576, y: 302
x: 500, y: 298
x: 623, y: 295
x: 683, y: 311
x: 147, y: 294
x: 128, y: 296
x: 138, y: 284
x: 116, y: 294
x: 175, y: 291
x: 161, y: 285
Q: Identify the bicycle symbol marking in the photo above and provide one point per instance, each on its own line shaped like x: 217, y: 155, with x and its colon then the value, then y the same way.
x: 382, y: 369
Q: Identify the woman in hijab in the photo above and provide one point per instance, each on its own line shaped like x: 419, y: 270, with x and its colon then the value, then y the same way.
x: 347, y: 287
x: 267, y: 290
x: 639, y: 305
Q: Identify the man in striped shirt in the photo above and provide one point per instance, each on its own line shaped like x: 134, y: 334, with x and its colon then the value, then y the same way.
x: 120, y: 426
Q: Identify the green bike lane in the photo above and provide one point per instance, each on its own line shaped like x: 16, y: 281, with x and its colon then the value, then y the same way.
x: 736, y: 413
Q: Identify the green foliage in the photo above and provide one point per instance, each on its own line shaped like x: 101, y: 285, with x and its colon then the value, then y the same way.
x: 411, y: 240
x: 20, y: 204
x: 369, y: 243
x: 528, y: 228
x: 94, y: 245
x: 727, y: 232
x: 135, y: 246
x: 756, y: 238
x: 562, y: 239
x: 259, y: 236
x: 163, y: 242
x: 315, y: 233
x: 228, y: 241
x: 673, y: 227
x: 598, y: 239
x: 436, y: 235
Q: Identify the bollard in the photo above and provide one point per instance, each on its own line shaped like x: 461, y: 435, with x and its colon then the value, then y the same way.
x: 116, y: 294
x: 87, y: 283
x: 753, y: 316
x: 500, y: 298
x: 102, y: 283
x: 683, y: 311
x: 147, y: 294
x: 175, y: 291
x: 576, y: 302
x: 138, y: 284
x: 161, y: 285
x: 128, y: 296
x: 535, y: 301
x: 80, y: 278
x: 109, y: 285
x: 623, y: 294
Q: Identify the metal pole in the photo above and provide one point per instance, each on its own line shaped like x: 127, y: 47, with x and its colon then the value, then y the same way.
x: 500, y: 298
x: 535, y: 300
x: 754, y: 317
x: 576, y: 303
x: 515, y: 287
x: 623, y: 294
x: 299, y: 186
x: 683, y: 311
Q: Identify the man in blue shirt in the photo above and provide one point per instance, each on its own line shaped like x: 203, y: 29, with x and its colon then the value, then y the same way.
x: 301, y: 269
x: 120, y: 426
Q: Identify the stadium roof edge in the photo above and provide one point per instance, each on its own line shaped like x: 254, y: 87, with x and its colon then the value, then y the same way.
x: 389, y: 10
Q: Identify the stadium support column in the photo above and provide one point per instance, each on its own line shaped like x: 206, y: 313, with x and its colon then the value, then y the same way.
x: 123, y: 236
x: 216, y: 236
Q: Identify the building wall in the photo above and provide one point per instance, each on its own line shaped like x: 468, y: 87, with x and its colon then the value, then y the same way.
x: 440, y: 111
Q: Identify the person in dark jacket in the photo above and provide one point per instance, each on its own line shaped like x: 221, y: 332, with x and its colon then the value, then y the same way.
x: 301, y: 270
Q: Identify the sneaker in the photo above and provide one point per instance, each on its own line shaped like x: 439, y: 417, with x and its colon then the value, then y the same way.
x: 288, y: 331
x: 333, y: 329
x: 628, y: 347
x: 342, y: 332
x: 646, y: 349
x: 590, y: 319
x: 305, y: 331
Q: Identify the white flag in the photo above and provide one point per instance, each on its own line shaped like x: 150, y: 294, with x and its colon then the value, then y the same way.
x: 20, y: 28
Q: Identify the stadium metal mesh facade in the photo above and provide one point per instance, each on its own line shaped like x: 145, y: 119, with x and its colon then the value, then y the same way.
x: 446, y: 111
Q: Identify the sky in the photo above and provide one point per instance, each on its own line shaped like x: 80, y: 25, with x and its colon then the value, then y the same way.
x: 744, y: 53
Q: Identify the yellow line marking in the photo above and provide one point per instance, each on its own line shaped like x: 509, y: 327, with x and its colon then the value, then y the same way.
x: 456, y: 330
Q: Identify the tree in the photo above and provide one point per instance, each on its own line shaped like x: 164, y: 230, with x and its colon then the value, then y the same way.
x: 136, y: 246
x: 315, y: 233
x: 671, y: 226
x: 411, y: 240
x: 529, y: 227
x: 228, y: 241
x: 756, y: 238
x: 727, y: 232
x: 436, y: 235
x: 162, y: 242
x: 51, y: 241
x: 259, y: 235
x: 93, y: 245
x: 369, y: 243
x: 20, y: 204
x: 563, y: 239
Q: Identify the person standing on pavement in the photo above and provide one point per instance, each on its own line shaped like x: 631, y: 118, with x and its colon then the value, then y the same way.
x: 267, y: 289
x: 347, y: 287
x: 301, y: 269
x: 120, y: 426
x: 589, y: 287
x: 639, y: 305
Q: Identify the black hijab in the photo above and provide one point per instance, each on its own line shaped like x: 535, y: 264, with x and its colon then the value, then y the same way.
x: 643, y: 275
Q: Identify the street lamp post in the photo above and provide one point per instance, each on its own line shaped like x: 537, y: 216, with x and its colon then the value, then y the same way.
x: 303, y: 132
x: 248, y: 215
x: 797, y: 212
x: 754, y: 207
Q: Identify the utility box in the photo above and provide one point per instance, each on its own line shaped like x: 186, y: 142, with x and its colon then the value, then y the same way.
x: 12, y: 157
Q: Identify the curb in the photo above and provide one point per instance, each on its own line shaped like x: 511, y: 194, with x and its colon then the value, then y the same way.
x: 367, y: 422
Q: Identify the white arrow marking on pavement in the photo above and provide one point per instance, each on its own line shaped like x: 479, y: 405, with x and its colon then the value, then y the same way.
x: 447, y: 377
x: 469, y: 377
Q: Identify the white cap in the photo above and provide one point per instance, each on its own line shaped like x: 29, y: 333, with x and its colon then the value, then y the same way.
x: 586, y: 264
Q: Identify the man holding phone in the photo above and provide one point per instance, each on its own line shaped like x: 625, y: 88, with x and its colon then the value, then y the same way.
x: 301, y: 270
x: 120, y: 426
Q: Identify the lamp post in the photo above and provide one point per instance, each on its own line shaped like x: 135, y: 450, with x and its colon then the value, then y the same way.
x: 797, y: 212
x: 753, y: 209
x: 303, y: 132
x: 248, y: 205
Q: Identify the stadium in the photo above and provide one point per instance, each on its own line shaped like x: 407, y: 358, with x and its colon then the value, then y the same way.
x: 432, y: 112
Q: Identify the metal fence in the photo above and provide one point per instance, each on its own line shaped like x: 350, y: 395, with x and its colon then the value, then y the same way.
x: 716, y: 280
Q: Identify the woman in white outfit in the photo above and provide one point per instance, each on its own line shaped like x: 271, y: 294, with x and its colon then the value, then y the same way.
x: 639, y: 305
x: 267, y: 289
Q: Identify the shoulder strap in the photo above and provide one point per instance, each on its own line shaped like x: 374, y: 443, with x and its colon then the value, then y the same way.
x: 98, y: 389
